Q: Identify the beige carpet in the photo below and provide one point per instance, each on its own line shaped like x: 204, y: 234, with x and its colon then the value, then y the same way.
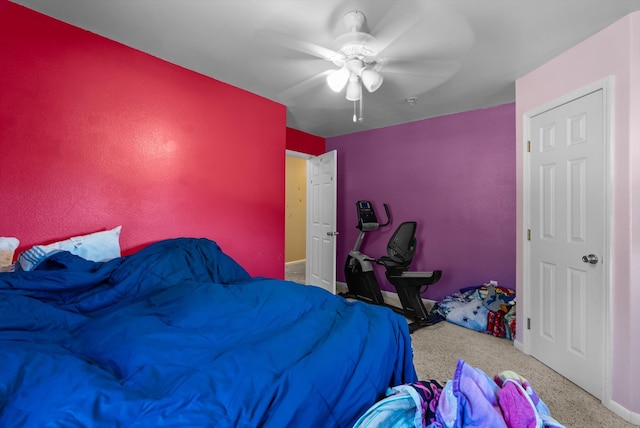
x: 437, y: 349
x: 295, y: 271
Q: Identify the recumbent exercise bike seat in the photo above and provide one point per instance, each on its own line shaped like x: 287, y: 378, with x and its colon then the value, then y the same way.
x: 408, y: 284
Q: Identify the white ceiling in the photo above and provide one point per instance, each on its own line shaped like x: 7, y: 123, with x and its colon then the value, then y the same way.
x: 453, y: 55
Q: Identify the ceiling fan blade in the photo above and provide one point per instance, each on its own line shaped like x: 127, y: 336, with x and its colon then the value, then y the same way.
x: 401, y: 86
x: 272, y: 39
x: 289, y: 95
x: 422, y: 67
x: 394, y: 21
x: 441, y: 31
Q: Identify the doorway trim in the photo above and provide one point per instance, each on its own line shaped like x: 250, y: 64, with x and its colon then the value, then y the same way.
x: 326, y: 281
x: 306, y: 157
x: 607, y: 87
x: 295, y: 154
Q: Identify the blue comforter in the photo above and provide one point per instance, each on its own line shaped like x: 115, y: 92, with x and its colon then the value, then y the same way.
x: 179, y: 335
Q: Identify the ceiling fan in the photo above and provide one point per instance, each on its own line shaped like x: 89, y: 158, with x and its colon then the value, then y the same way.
x: 358, y: 60
x: 414, y: 47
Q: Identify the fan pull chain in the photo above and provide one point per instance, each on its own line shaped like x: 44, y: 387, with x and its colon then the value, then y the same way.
x: 355, y: 115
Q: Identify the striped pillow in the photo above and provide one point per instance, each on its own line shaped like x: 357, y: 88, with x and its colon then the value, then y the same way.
x: 97, y: 247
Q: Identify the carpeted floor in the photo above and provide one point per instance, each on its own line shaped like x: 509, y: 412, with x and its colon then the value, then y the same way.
x: 437, y: 349
x: 295, y: 271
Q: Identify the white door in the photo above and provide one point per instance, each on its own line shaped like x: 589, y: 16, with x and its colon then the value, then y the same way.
x: 321, y: 221
x: 567, y: 230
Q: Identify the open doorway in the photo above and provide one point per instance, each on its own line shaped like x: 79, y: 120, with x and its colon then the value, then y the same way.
x: 318, y: 237
x: 295, y: 216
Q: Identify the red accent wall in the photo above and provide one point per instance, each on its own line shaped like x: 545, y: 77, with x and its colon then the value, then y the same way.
x: 305, y: 143
x: 94, y: 134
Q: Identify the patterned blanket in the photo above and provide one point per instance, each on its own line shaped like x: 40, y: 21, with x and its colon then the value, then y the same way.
x: 484, y: 308
x: 470, y: 399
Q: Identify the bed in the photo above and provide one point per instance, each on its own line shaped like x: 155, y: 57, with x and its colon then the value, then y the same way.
x: 178, y: 334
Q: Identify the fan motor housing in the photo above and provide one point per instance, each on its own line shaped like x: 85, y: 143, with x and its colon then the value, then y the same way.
x: 356, y: 43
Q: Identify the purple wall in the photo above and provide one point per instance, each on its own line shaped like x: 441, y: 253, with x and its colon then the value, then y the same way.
x: 455, y: 175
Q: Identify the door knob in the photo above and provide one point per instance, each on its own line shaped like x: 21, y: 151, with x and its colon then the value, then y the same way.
x: 591, y: 258
x: 332, y: 233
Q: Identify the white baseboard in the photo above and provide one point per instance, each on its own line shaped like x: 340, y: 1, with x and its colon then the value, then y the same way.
x: 519, y: 346
x: 389, y: 297
x: 341, y: 287
x: 624, y: 413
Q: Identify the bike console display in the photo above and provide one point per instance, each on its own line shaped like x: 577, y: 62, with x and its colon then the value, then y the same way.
x: 367, y: 219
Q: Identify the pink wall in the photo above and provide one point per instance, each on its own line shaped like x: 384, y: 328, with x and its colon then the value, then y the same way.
x: 455, y: 176
x: 94, y: 134
x: 615, y: 52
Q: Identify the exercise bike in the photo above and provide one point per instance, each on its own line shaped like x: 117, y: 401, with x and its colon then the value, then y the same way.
x: 361, y: 278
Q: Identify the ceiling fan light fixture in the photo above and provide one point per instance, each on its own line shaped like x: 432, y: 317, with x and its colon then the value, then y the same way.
x: 338, y: 79
x: 371, y: 79
x: 357, y: 57
x: 354, y: 89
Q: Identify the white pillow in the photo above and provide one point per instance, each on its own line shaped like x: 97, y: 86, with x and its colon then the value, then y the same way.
x: 7, y: 249
x: 97, y: 247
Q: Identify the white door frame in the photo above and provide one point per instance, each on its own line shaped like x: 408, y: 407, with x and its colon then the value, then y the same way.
x: 606, y: 85
x: 308, y: 157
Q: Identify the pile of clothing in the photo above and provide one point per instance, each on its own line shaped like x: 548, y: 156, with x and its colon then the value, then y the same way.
x: 470, y: 399
x: 486, y: 308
